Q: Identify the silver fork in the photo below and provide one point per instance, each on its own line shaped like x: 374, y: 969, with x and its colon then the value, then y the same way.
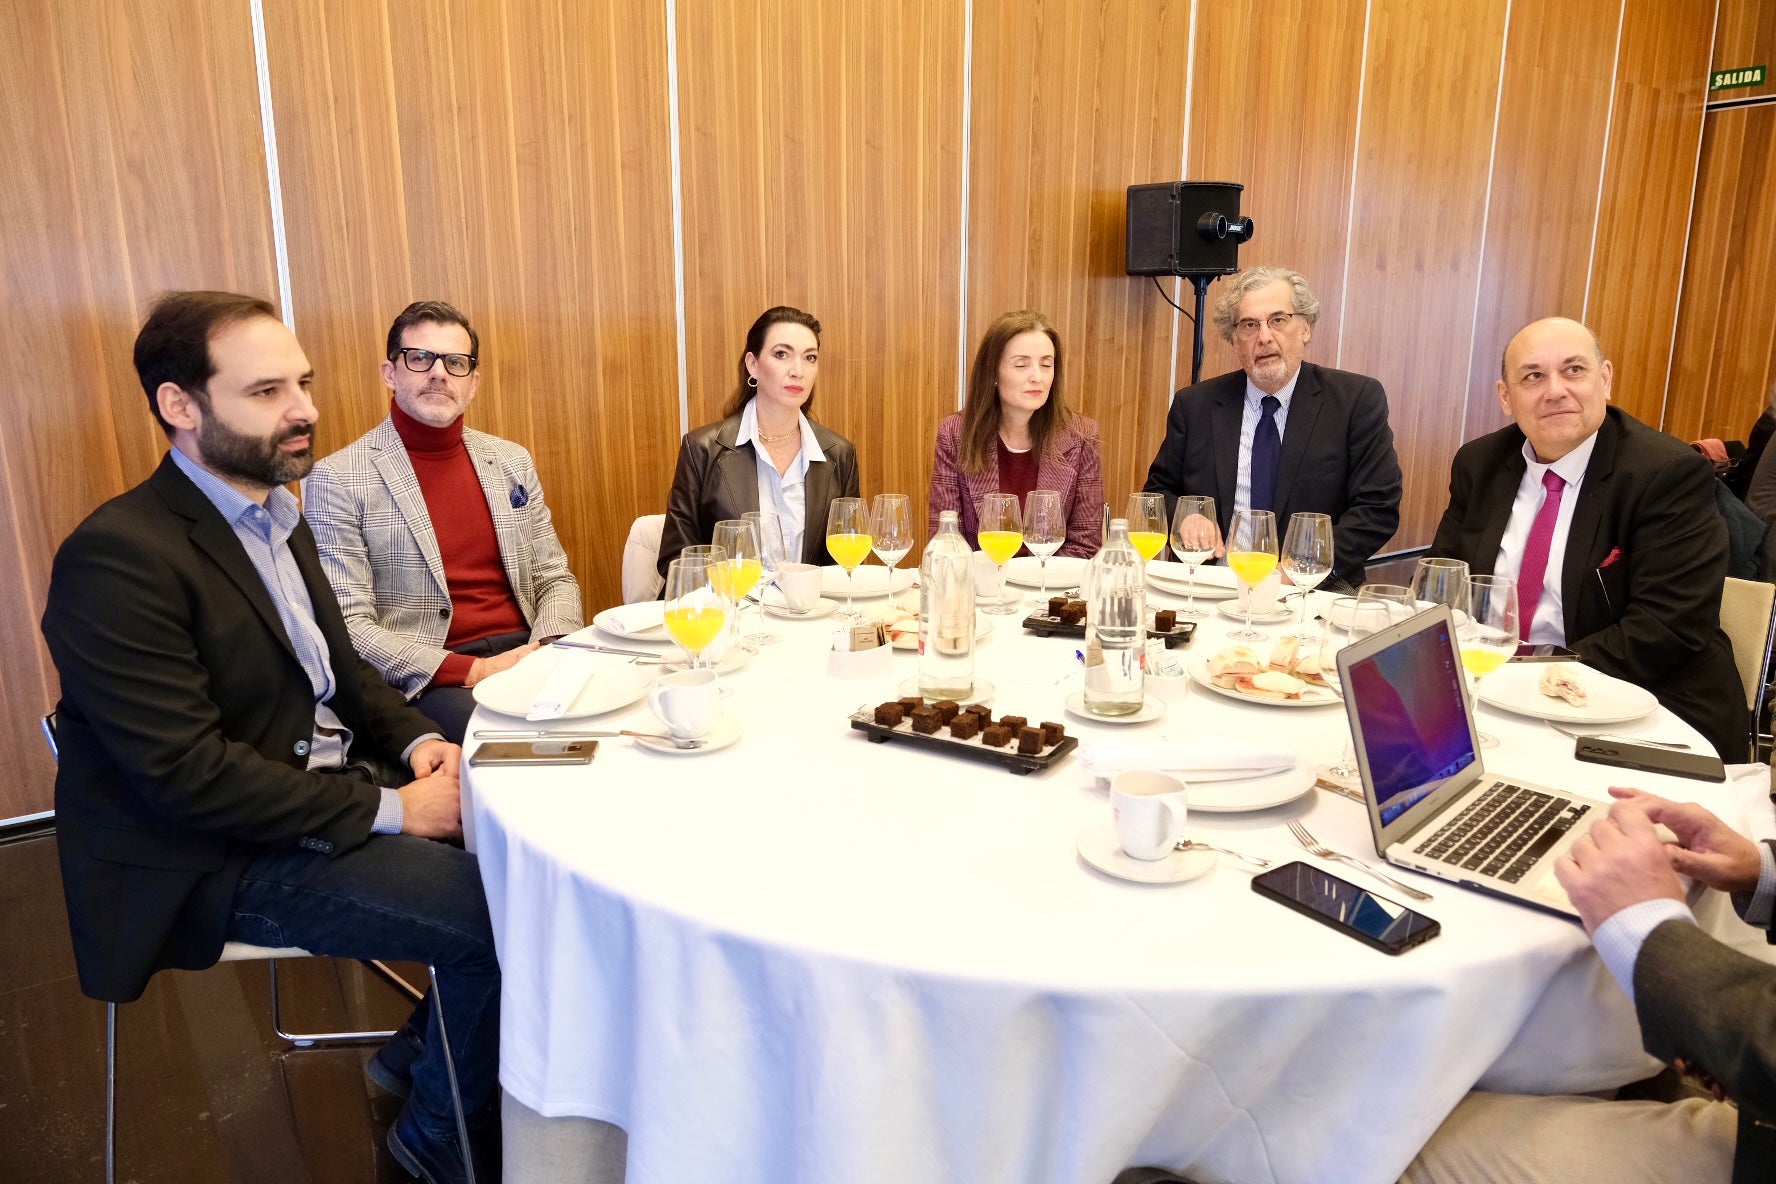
x: 1316, y: 847
x: 1574, y: 734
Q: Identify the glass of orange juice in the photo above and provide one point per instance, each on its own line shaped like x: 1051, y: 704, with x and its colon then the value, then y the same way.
x: 848, y: 540
x: 1494, y: 627
x: 1001, y: 536
x: 1147, y: 524
x: 1252, y: 554
x: 737, y: 575
x: 696, y: 611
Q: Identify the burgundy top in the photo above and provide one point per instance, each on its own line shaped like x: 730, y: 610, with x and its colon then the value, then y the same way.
x: 1017, y: 472
x: 481, y: 600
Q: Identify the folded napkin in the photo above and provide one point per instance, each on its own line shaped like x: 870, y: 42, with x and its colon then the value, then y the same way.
x: 1751, y: 790
x: 1211, y: 757
x: 572, y: 671
x: 636, y: 618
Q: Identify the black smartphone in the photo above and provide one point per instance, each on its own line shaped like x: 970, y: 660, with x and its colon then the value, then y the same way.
x: 1647, y: 758
x: 1543, y: 653
x: 534, y: 752
x: 1373, y: 920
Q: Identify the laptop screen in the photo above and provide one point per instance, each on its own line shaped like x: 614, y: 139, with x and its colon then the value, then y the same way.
x: 1412, y: 716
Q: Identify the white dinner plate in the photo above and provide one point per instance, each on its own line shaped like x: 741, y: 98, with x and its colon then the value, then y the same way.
x: 614, y: 683
x: 909, y: 638
x: 1152, y: 708
x: 722, y: 733
x: 1512, y: 687
x: 1064, y: 571
x: 1098, y: 847
x: 1233, y: 612
x: 1312, y: 697
x: 871, y: 581
x: 982, y: 693
x: 642, y: 621
x: 1252, y: 793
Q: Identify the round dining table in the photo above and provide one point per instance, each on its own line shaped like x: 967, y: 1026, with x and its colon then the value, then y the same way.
x: 809, y: 957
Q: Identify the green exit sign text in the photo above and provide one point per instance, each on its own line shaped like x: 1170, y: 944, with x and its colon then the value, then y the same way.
x: 1733, y: 79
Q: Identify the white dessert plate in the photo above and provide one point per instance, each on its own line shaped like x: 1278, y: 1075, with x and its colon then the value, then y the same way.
x: 643, y: 621
x: 1312, y: 697
x: 722, y: 733
x: 1152, y: 708
x: 725, y: 661
x: 1512, y: 687
x: 1252, y: 793
x: 871, y: 581
x: 614, y: 683
x: 909, y: 639
x: 1233, y: 612
x: 982, y: 693
x: 775, y: 607
x: 1064, y: 571
x: 1099, y: 848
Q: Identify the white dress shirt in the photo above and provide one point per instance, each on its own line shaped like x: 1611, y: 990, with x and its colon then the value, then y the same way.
x: 783, y: 494
x: 1254, y: 411
x: 1549, y: 625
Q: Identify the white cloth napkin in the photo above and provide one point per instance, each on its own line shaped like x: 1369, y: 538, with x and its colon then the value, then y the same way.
x: 572, y: 670
x: 638, y: 618
x: 1211, y: 757
x: 1751, y: 789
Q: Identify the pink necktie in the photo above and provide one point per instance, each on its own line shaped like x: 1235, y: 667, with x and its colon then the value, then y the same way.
x: 1534, y: 570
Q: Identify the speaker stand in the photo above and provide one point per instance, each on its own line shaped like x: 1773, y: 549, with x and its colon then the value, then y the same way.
x: 1200, y: 281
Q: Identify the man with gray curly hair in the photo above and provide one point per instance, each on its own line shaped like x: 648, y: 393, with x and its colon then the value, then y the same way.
x: 1283, y: 434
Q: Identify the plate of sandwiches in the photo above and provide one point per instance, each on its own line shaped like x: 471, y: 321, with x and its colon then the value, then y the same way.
x: 1564, y: 692
x: 1284, y: 679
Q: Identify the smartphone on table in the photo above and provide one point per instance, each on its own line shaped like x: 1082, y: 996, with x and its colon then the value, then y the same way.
x: 1528, y: 652
x: 1357, y: 912
x: 534, y: 752
x: 1648, y: 758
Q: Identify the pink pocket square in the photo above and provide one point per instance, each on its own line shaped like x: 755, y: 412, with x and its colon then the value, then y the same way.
x: 1610, y: 560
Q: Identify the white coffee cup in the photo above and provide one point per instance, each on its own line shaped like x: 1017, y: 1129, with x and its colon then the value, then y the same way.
x: 1149, y: 808
x: 686, y: 703
x: 800, y: 585
x: 989, y: 578
x: 1264, y: 595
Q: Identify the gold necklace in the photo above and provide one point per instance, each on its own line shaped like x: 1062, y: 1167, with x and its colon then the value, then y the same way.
x: 794, y: 431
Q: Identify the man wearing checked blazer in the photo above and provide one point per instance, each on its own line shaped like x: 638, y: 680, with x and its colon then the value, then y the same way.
x: 1282, y: 434
x: 1613, y: 522
x: 435, y: 536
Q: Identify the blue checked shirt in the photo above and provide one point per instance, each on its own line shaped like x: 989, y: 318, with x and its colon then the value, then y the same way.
x: 264, y: 533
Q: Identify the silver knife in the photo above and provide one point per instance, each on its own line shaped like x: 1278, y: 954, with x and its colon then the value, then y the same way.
x: 539, y: 734
x: 605, y: 649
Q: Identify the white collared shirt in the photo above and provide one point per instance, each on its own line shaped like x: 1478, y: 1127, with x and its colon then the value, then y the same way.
x: 783, y: 494
x: 1549, y: 625
x: 1254, y: 411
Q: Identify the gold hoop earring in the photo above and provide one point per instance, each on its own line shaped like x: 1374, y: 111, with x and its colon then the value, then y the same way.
x: 752, y: 380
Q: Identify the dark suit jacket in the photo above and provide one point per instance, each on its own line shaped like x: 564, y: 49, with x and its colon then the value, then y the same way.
x: 718, y: 478
x: 1645, y: 560
x: 184, y: 726
x: 1338, y: 457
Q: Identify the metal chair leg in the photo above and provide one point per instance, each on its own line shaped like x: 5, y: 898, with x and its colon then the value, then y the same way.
x: 310, y: 1039
x: 110, y: 1093
x: 462, y: 1123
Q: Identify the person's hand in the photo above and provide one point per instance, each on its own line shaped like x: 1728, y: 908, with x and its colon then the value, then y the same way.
x: 436, y: 756
x: 484, y: 667
x: 1708, y: 851
x: 432, y: 807
x: 1198, y: 533
x: 1621, y: 862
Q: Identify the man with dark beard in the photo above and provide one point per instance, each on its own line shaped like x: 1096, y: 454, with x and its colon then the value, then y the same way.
x: 230, y: 769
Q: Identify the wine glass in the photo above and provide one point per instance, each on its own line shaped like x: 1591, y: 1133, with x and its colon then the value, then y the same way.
x: 1147, y: 526
x: 891, y: 530
x: 1252, y: 554
x: 1441, y: 581
x: 1045, y: 529
x: 696, y: 611
x: 1397, y: 598
x: 848, y: 541
x: 739, y: 573
x: 1194, y: 539
x: 1001, y: 534
x: 1492, y: 631
x: 1361, y: 615
x: 771, y: 560
x: 1307, y: 560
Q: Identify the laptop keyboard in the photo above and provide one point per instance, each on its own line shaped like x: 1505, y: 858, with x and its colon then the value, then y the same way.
x: 1505, y: 831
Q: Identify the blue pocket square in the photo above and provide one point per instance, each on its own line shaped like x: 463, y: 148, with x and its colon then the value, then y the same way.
x: 520, y: 497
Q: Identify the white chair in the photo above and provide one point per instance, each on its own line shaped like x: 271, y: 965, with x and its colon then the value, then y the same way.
x: 1748, y: 617
x: 641, y: 559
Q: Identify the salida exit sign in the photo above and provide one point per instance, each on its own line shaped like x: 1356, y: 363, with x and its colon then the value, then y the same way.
x: 1733, y: 79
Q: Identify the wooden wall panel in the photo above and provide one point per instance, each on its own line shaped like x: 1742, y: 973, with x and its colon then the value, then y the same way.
x: 1415, y: 254
x: 1540, y: 216
x: 133, y: 158
x: 1073, y: 103
x: 821, y: 148
x: 1746, y: 36
x: 1725, y: 360
x: 1648, y: 182
x: 1274, y: 106
x: 513, y: 159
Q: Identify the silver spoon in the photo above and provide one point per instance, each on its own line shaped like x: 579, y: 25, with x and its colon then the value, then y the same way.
x: 1195, y: 845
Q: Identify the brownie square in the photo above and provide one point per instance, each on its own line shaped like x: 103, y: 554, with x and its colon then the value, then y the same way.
x: 890, y: 714
x: 1014, y: 722
x: 912, y: 703
x: 947, y: 708
x: 1056, y: 604
x: 980, y: 710
x: 1052, y: 732
x: 997, y: 736
x: 1072, y: 614
x: 1165, y: 620
x: 927, y: 721
x: 1029, y: 741
x: 964, y: 726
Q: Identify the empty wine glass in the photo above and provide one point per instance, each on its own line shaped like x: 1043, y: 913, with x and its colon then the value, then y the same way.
x: 1492, y: 631
x: 848, y: 541
x: 1307, y: 560
x: 1045, y: 529
x: 1194, y: 539
x: 771, y: 559
x: 891, y: 530
x: 1252, y: 554
x: 1349, y: 620
x: 1441, y: 581
x: 1001, y: 536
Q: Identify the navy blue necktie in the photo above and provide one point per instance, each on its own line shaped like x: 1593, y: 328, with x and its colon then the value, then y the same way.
x: 1267, y: 453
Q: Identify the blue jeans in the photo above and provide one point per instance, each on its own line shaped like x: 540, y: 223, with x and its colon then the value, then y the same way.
x: 451, y: 707
x: 401, y: 898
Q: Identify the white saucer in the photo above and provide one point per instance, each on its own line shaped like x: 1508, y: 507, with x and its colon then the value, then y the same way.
x: 1098, y: 847
x: 983, y: 692
x: 1233, y: 612
x: 722, y: 733
x: 733, y: 658
x: 1152, y: 708
x: 822, y: 608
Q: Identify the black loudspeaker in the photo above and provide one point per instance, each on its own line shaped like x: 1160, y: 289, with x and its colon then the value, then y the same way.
x: 1185, y: 228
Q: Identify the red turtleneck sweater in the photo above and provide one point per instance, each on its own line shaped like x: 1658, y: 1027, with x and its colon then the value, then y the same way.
x: 481, y: 599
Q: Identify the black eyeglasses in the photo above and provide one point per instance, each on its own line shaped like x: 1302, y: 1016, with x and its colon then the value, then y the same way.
x: 420, y: 361
x: 1247, y: 327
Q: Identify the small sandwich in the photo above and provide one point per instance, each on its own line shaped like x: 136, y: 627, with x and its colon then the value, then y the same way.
x: 1282, y: 656
x: 1310, y: 671
x: 1271, y: 684
x: 1562, y: 681
x: 1233, y: 663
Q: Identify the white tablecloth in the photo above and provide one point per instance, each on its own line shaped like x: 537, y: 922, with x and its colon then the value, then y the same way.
x: 812, y: 958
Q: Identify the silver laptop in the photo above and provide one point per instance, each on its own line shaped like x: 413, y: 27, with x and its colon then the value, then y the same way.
x: 1433, y: 807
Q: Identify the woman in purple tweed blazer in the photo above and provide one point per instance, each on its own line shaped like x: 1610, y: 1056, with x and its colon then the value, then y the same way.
x: 1015, y: 434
